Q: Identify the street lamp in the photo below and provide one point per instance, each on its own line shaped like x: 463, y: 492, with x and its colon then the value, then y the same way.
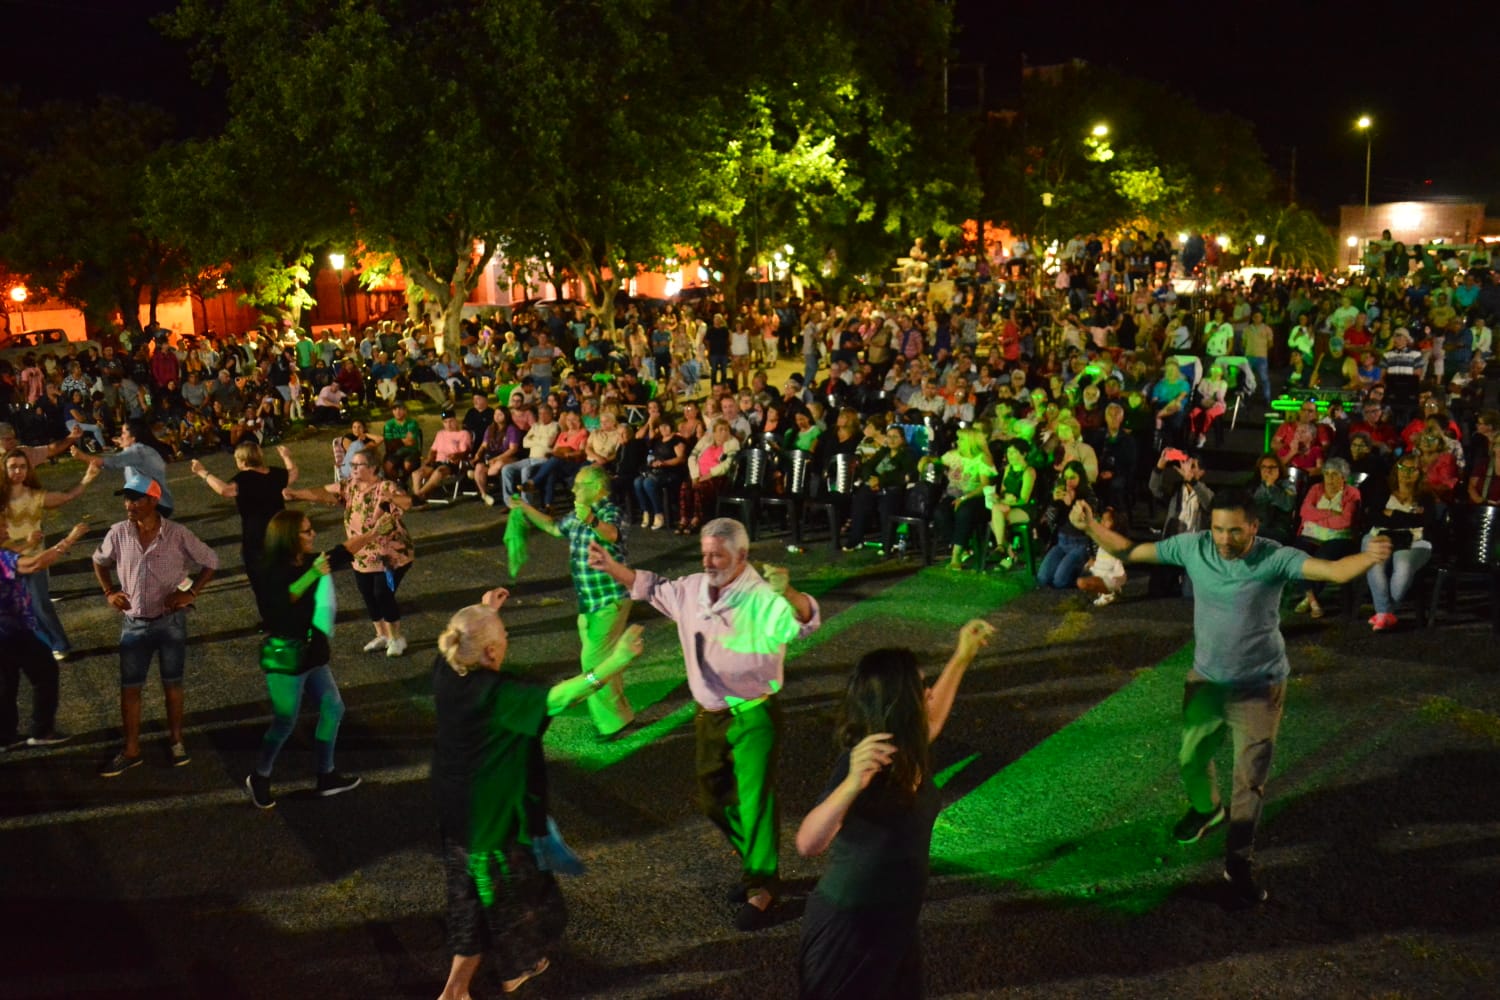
x: 1364, y: 124
x: 18, y: 296
x: 1100, y: 130
x: 1260, y: 241
x: 1351, y: 243
x: 337, y: 261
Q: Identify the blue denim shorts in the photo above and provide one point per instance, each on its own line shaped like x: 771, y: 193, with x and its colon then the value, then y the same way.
x: 140, y: 639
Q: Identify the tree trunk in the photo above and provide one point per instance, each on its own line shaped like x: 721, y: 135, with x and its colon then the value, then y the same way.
x: 598, y: 294
x: 445, y: 297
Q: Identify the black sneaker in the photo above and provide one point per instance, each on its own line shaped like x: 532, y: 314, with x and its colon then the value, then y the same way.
x: 1191, y: 828
x: 750, y: 917
x: 50, y: 739
x: 118, y: 765
x: 1244, y: 891
x: 334, y: 783
x: 259, y: 790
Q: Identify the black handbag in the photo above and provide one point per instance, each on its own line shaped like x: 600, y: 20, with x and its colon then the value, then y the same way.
x: 279, y: 655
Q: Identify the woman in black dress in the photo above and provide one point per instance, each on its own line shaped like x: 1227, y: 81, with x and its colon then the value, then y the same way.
x: 256, y: 492
x: 859, y: 934
x: 300, y: 610
x: 490, y: 782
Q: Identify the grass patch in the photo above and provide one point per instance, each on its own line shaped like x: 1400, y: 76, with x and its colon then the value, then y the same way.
x: 1475, y: 722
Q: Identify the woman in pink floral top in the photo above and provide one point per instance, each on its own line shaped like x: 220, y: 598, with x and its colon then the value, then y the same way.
x: 378, y: 567
x: 1330, y: 522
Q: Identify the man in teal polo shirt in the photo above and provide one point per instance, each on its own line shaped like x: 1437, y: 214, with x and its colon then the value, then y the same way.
x: 1240, y: 668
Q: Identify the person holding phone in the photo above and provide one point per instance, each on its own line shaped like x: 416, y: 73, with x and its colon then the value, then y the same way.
x: 1409, y: 520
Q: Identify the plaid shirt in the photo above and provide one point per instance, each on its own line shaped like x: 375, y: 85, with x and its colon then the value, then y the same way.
x: 149, y: 576
x: 596, y: 588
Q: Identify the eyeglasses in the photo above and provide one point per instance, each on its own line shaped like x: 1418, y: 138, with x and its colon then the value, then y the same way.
x: 360, y: 465
x: 1409, y: 468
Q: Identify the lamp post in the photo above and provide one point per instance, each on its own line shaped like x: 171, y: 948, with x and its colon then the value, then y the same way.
x: 18, y: 296
x: 337, y: 261
x: 1364, y: 124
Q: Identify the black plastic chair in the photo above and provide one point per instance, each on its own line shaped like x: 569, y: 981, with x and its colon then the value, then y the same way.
x: 752, y: 475
x: 832, y: 498
x: 799, y: 481
x: 931, y: 485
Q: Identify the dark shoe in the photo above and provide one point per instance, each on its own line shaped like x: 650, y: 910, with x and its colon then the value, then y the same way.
x: 178, y: 755
x: 259, y: 790
x: 511, y: 985
x: 118, y: 765
x: 50, y: 739
x: 1191, y: 828
x: 334, y: 783
x: 1243, y: 889
x: 750, y: 917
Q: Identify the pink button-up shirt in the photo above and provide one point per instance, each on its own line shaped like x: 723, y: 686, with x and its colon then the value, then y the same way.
x: 149, y: 576
x: 734, y: 648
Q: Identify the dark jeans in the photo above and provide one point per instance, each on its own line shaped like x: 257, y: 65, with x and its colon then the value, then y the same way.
x: 26, y: 654
x: 866, y: 501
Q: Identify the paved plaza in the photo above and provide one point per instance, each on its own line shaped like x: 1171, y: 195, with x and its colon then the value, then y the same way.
x: 1054, y: 872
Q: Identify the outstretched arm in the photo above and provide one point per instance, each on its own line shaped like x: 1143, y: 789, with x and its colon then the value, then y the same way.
x: 569, y: 692
x: 1116, y: 544
x: 600, y: 559
x: 1377, y: 550
x: 940, y: 696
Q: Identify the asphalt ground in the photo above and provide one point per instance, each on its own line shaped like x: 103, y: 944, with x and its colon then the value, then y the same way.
x: 1054, y: 874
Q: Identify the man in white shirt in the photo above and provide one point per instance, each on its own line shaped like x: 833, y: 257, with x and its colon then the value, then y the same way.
x: 538, y: 444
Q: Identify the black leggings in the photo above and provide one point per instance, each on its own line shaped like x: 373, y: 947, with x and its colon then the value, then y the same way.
x: 380, y: 593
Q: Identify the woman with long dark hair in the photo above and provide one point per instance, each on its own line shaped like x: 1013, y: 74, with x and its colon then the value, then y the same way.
x: 299, y: 612
x: 859, y: 934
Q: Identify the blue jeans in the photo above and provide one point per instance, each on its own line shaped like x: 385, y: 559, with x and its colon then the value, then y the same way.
x: 1391, y: 581
x: 718, y: 368
x: 90, y: 429
x: 49, y: 628
x: 1262, y: 369
x: 1063, y: 562
x: 650, y: 493
x: 140, y: 640
x: 516, y: 473
x: 286, y: 692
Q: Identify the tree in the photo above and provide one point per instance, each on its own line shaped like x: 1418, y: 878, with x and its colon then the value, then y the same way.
x: 395, y: 113
x: 76, y: 219
x: 1164, y: 162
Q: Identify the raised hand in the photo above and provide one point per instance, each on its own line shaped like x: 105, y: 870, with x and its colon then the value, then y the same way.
x: 974, y: 635
x: 629, y: 645
x: 778, y: 577
x: 868, y: 757
x: 1081, y: 516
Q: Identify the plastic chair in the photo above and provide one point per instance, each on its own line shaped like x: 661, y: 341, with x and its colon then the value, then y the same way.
x: 838, y: 483
x: 920, y: 524
x: 751, y: 474
x: 799, y: 483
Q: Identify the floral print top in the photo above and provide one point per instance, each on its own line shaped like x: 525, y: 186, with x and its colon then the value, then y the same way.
x: 393, y: 547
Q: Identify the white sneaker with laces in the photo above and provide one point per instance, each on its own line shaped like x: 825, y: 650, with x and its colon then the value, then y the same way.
x: 377, y: 643
x: 395, y: 647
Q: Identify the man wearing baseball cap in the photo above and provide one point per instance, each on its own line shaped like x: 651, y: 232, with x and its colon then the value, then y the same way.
x: 152, y: 557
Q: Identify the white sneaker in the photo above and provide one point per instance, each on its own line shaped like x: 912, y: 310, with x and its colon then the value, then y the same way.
x: 646, y: 519
x: 659, y: 523
x: 489, y: 501
x: 395, y: 647
x: 377, y: 643
x: 1104, y: 599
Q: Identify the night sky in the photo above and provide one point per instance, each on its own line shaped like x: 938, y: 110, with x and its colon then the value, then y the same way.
x: 1300, y: 73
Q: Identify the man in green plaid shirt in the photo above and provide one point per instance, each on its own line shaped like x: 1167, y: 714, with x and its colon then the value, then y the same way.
x: 603, y: 605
